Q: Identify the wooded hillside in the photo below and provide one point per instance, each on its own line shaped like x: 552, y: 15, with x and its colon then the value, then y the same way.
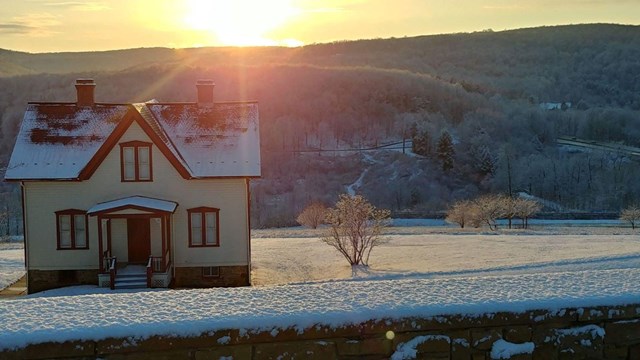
x: 492, y: 92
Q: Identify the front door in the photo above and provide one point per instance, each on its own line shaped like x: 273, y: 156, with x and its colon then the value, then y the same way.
x: 139, y: 238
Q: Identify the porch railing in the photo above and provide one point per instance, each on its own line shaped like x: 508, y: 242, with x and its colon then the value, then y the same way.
x: 113, y: 269
x: 149, y: 271
x: 155, y: 264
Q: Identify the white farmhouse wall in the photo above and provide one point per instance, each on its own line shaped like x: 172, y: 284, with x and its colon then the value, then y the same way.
x: 43, y: 199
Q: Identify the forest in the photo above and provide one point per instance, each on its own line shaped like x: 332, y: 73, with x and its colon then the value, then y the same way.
x: 479, y: 113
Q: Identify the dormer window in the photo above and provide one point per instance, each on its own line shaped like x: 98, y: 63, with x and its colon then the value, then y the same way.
x: 135, y: 161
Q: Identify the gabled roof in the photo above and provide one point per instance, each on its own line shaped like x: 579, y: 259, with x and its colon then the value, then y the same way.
x: 61, y: 141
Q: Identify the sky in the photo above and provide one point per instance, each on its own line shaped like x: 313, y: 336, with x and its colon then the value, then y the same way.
x: 60, y: 25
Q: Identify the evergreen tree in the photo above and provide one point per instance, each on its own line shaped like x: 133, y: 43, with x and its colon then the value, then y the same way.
x: 445, y: 151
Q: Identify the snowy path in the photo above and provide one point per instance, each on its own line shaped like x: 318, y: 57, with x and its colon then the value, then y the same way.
x: 190, y: 312
x: 368, y: 159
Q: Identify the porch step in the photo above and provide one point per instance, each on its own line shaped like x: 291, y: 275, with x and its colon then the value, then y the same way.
x: 131, y: 281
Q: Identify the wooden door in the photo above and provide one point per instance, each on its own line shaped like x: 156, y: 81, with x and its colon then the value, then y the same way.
x: 139, y: 238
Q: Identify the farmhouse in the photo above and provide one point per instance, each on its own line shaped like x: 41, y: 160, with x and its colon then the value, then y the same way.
x: 137, y: 195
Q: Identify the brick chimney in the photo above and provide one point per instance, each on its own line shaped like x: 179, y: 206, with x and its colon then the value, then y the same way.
x: 205, y: 92
x: 84, y: 89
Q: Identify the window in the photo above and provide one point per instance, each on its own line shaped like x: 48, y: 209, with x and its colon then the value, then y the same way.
x: 72, y: 226
x: 211, y: 271
x: 135, y: 161
x: 204, y: 227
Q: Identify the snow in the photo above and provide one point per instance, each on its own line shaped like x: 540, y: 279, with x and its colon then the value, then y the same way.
x: 56, y: 141
x: 594, y: 330
x: 439, y: 253
x: 222, y: 140
x: 11, y: 263
x: 138, y: 315
x: 409, y: 350
x: 139, y: 201
x: 427, y: 272
x: 505, y: 350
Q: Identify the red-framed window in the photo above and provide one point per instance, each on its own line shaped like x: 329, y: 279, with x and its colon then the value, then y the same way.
x: 135, y: 161
x: 72, y: 227
x: 204, y: 227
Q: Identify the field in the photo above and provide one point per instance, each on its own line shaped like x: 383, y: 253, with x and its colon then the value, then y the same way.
x: 297, y: 255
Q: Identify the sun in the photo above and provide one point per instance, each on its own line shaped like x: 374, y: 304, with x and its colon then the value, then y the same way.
x: 239, y: 22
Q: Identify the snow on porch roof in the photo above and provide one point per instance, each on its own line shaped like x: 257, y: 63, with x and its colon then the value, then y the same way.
x: 139, y: 202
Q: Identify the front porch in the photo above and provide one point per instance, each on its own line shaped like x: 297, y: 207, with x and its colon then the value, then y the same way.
x: 134, y: 240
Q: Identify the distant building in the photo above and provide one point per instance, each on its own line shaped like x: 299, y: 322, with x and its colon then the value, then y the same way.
x: 556, y: 106
x: 137, y: 195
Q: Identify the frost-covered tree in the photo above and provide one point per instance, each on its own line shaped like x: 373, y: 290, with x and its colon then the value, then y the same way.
x: 355, y: 228
x: 631, y: 214
x: 461, y: 213
x: 490, y: 208
x: 312, y: 215
x: 525, y: 208
x: 445, y: 151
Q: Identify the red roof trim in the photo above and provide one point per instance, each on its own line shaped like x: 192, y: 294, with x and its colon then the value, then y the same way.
x: 107, y: 146
x: 131, y: 116
x: 162, y: 147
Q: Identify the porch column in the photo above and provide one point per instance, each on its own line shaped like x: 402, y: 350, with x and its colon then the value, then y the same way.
x: 100, y: 249
x: 163, y: 220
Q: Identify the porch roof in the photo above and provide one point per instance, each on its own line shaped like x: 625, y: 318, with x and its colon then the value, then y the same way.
x: 134, y: 202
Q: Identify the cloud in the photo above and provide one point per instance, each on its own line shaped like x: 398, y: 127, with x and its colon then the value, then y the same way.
x: 14, y: 28
x: 37, y: 24
x: 76, y: 5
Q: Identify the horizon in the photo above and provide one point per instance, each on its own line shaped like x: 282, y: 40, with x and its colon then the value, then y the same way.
x: 45, y: 26
x: 326, y: 42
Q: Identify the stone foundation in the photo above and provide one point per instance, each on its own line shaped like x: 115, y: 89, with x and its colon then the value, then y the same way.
x: 583, y: 333
x: 230, y: 276
x: 40, y: 280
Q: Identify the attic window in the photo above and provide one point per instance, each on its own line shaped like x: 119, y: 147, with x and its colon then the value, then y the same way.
x: 135, y: 161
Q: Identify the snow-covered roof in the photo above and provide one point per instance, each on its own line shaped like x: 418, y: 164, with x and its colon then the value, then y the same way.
x: 59, y: 141
x: 56, y: 141
x: 219, y: 140
x: 140, y: 202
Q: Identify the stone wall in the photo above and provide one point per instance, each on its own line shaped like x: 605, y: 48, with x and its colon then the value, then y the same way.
x: 40, y: 280
x: 583, y: 333
x: 191, y: 277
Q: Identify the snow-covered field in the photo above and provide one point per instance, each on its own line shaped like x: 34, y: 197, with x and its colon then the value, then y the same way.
x: 444, y: 252
x: 11, y: 263
x: 420, y: 272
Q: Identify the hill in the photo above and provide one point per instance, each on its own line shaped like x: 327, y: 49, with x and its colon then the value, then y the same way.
x: 490, y: 90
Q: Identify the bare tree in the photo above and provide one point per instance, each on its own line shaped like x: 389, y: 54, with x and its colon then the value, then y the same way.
x: 631, y: 214
x: 526, y: 208
x: 509, y: 208
x: 313, y: 215
x: 355, y: 228
x: 460, y: 213
x: 490, y: 208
